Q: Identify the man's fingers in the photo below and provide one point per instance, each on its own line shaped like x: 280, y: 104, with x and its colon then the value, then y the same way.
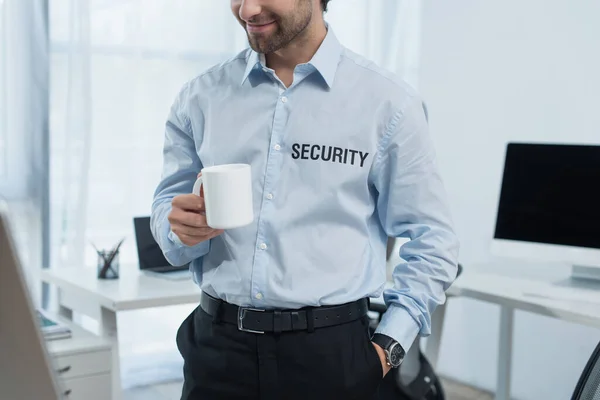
x: 189, y: 202
x: 187, y: 218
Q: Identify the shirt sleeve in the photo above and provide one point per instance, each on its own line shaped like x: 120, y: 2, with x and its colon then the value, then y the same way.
x: 181, y: 166
x: 412, y: 204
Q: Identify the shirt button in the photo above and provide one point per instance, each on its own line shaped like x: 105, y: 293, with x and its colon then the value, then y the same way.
x: 270, y: 196
x: 277, y: 147
x: 263, y: 246
x: 284, y: 99
x: 259, y: 296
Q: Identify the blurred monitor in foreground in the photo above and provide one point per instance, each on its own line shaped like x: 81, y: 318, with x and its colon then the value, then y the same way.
x: 25, y: 367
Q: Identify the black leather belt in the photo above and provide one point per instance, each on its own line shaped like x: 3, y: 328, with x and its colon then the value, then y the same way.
x: 253, y: 320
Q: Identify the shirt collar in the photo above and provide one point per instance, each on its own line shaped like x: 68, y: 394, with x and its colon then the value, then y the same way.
x: 325, y: 60
x: 327, y: 57
x: 253, y: 60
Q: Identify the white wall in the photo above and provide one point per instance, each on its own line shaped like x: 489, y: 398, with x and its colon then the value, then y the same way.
x: 492, y: 72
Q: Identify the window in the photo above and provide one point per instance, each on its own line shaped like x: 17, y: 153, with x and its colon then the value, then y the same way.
x: 107, y: 116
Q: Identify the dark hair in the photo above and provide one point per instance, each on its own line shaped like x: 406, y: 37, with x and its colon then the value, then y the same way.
x: 324, y: 4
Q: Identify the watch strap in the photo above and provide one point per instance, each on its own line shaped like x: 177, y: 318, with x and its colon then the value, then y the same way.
x: 384, y: 341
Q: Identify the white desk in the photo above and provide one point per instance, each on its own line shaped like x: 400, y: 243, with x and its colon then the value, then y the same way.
x: 83, y: 363
x: 545, y: 290
x: 79, y: 290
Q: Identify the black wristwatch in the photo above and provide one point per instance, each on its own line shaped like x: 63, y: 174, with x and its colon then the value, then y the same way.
x: 394, y: 353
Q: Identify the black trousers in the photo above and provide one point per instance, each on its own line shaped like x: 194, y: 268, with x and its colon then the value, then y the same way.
x: 221, y: 362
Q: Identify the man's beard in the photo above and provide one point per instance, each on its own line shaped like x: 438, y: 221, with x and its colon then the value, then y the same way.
x: 288, y: 29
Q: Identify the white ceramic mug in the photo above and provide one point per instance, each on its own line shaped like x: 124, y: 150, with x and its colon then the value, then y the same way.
x: 227, y: 195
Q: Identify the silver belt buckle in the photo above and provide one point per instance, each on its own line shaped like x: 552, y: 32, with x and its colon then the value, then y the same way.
x: 242, y: 314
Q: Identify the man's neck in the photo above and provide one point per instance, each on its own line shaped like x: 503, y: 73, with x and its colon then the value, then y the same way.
x: 301, y: 50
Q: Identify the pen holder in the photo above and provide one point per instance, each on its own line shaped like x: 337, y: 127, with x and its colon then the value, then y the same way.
x: 108, y: 264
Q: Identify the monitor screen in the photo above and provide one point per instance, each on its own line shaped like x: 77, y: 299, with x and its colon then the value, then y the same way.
x: 550, y: 194
x: 149, y: 253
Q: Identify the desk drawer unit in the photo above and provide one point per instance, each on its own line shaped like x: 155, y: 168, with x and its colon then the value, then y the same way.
x: 83, y: 364
x: 93, y: 387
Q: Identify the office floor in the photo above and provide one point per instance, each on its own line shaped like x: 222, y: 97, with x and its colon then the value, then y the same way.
x: 172, y: 391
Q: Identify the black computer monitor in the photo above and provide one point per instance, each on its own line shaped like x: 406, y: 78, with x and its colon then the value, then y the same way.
x: 549, y: 206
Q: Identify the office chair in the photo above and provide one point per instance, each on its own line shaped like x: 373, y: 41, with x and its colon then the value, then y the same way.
x: 588, y: 386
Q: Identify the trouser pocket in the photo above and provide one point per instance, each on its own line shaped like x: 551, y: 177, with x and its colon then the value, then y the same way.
x: 337, y: 362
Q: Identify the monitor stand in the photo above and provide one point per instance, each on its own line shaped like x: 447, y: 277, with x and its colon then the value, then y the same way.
x: 587, y: 273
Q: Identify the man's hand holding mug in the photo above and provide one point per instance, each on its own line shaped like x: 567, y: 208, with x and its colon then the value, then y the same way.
x: 221, y: 199
x: 188, y: 219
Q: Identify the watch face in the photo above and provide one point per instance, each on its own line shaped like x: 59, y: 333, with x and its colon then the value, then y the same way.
x: 396, y: 355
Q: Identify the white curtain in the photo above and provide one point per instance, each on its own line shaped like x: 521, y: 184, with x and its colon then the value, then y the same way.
x: 23, y: 130
x: 71, y: 129
x: 116, y: 68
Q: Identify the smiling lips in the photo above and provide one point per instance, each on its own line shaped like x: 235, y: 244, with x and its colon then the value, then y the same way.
x: 259, y: 28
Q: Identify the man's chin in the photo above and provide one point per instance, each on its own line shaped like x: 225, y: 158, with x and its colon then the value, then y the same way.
x: 261, y: 47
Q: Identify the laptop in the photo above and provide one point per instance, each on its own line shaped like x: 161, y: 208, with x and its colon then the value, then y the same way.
x: 150, y: 256
x: 26, y: 371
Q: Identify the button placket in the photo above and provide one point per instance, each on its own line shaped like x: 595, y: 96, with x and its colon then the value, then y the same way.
x: 274, y: 158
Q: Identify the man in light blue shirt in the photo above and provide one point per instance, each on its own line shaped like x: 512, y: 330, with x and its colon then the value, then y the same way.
x: 341, y: 160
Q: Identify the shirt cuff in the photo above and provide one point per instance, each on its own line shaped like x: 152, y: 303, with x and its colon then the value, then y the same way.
x: 398, y: 324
